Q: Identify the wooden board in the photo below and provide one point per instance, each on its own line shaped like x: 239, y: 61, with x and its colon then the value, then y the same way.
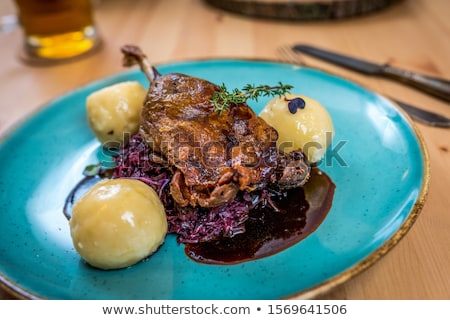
x: 302, y: 9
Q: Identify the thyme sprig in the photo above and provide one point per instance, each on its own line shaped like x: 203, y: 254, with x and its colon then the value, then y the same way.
x: 222, y: 99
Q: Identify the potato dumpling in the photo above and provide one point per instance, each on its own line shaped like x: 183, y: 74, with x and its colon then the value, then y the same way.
x: 304, y: 124
x: 117, y: 223
x: 114, y: 111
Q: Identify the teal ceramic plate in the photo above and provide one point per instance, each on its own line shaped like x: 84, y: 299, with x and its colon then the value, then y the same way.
x: 377, y: 161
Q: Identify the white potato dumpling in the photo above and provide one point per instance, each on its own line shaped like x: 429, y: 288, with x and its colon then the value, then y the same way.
x: 309, y: 128
x: 114, y: 111
x: 117, y: 223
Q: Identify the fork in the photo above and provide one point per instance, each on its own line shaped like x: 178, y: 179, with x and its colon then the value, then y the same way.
x: 420, y: 115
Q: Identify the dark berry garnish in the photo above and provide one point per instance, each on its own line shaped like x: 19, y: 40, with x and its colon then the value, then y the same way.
x: 296, y: 103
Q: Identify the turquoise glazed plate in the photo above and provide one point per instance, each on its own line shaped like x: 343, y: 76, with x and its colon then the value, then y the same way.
x: 377, y: 161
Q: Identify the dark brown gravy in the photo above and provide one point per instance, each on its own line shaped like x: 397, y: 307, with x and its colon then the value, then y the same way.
x: 304, y: 209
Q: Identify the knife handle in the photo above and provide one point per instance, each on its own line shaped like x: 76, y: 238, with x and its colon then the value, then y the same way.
x: 434, y: 86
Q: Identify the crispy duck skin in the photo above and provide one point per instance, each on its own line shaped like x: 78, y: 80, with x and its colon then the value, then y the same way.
x: 212, y: 155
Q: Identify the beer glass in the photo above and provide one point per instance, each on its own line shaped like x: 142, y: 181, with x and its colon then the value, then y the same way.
x: 57, y: 30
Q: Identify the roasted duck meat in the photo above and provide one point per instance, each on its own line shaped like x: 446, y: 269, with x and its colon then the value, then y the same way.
x: 212, y: 156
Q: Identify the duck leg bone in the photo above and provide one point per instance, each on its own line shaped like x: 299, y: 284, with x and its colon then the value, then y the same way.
x: 133, y: 55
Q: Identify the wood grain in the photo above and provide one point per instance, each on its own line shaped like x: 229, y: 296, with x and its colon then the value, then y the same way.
x: 412, y: 35
x: 302, y: 10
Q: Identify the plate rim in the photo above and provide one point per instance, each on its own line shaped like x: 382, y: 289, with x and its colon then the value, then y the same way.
x: 310, y: 293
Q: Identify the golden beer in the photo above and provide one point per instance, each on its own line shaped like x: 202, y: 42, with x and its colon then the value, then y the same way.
x: 57, y: 29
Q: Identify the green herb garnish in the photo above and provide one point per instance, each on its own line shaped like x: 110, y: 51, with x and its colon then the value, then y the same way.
x: 92, y: 170
x: 222, y: 99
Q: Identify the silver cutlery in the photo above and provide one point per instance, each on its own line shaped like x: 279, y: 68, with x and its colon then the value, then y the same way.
x: 423, y: 116
x: 420, y: 115
x: 432, y: 85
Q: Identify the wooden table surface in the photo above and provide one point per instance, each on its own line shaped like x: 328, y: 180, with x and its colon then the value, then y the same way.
x: 414, y: 34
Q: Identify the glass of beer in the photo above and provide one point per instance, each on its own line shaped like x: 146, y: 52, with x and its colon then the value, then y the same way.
x: 57, y: 30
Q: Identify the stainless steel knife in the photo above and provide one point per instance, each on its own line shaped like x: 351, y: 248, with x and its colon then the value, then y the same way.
x: 424, y: 116
x: 432, y: 85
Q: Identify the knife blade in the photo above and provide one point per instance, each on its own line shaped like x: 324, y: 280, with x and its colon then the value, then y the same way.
x: 424, y: 116
x: 432, y: 85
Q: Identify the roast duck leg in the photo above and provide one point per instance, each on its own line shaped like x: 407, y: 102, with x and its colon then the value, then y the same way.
x: 212, y: 156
